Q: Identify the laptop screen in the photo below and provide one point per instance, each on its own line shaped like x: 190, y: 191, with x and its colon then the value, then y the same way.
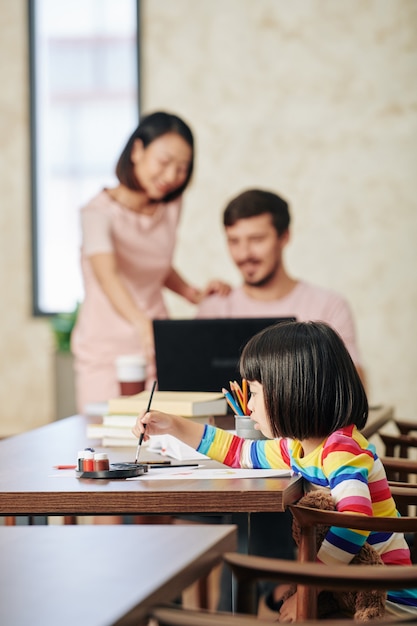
x: 202, y: 354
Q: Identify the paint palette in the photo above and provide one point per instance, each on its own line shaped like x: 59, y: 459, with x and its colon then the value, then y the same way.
x: 117, y: 471
x: 132, y: 465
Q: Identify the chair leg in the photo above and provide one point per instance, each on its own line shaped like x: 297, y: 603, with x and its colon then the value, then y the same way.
x: 203, y: 592
x: 307, y: 596
x: 246, y: 600
x: 306, y: 603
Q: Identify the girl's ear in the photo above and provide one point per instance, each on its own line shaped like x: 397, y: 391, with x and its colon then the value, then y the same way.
x: 137, y: 150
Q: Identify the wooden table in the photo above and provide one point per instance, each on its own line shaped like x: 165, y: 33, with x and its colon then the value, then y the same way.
x: 101, y: 575
x: 30, y: 486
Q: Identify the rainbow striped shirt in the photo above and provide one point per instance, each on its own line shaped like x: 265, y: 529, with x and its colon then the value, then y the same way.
x: 346, y: 464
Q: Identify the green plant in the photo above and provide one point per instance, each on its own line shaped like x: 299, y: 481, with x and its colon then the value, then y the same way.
x: 62, y: 325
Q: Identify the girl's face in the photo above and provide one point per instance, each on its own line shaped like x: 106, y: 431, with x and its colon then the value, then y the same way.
x: 163, y: 165
x: 257, y: 408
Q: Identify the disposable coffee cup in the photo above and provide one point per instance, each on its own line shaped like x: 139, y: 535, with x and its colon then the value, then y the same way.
x: 245, y: 427
x: 131, y: 373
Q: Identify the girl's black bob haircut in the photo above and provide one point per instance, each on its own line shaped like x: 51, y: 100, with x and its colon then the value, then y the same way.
x: 152, y: 127
x: 310, y: 383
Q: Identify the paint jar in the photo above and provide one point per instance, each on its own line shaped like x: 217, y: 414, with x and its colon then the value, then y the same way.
x: 245, y: 427
x: 80, y: 460
x: 88, y: 461
x: 101, y: 462
x: 131, y: 373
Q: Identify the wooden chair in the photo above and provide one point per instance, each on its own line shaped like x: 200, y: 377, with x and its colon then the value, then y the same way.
x: 249, y: 569
x: 399, y: 471
x: 405, y: 426
x: 308, y: 575
x: 398, y: 445
x: 399, y: 466
x: 403, y: 491
x: 175, y: 616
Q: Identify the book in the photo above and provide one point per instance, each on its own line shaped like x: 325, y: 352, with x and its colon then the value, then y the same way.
x: 98, y: 431
x: 164, y: 445
x: 118, y: 432
x: 127, y: 421
x: 185, y: 403
x: 119, y: 442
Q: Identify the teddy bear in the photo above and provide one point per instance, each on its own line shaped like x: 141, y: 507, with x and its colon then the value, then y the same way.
x: 362, y: 605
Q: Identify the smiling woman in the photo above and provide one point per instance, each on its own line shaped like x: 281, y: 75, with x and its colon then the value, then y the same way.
x: 129, y: 236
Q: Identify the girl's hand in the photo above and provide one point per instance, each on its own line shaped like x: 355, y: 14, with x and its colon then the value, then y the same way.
x: 288, y: 611
x: 156, y: 422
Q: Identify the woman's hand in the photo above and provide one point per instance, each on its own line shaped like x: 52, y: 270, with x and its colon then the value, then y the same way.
x: 213, y: 287
x: 145, y: 329
x: 178, y: 285
x: 216, y: 286
x: 105, y: 269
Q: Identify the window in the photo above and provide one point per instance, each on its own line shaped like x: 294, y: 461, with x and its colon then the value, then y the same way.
x: 84, y: 106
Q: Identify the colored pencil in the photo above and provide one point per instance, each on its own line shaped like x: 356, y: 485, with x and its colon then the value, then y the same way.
x: 245, y: 396
x: 234, y: 392
x: 231, y: 402
x: 239, y: 394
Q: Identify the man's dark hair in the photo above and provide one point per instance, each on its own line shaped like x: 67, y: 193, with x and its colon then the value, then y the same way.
x: 255, y: 202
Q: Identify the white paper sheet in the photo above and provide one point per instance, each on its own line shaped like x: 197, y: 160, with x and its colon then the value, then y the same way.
x: 199, y: 473
x: 167, y: 445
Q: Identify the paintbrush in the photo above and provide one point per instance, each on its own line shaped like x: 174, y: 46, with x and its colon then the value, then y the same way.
x: 143, y: 434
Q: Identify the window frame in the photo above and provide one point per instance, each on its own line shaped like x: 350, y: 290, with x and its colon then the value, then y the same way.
x: 37, y: 311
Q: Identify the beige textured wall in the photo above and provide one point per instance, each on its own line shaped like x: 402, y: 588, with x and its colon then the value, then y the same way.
x: 315, y: 99
x: 26, y: 351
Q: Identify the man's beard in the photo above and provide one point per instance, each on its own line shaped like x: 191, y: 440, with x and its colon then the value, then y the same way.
x: 263, y: 281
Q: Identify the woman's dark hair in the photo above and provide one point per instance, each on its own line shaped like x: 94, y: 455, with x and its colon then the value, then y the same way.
x: 310, y: 383
x: 254, y: 202
x: 150, y: 128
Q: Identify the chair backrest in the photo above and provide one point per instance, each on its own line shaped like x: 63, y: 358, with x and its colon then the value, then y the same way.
x: 177, y: 616
x: 399, y: 470
x: 399, y: 464
x: 405, y: 426
x: 309, y: 518
x: 398, y: 443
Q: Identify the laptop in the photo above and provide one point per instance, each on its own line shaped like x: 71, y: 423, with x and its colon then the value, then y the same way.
x: 203, y: 354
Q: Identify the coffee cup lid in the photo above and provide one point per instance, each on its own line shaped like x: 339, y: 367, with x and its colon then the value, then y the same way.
x: 130, y: 359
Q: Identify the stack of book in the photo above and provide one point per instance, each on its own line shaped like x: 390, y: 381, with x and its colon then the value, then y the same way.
x: 117, y: 424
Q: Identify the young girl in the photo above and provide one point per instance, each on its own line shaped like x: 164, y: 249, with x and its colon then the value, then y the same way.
x: 307, y: 397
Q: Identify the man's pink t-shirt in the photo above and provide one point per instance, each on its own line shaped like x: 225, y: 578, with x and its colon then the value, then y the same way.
x: 305, y: 302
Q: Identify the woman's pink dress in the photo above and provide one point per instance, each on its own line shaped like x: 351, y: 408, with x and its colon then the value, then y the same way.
x: 143, y: 246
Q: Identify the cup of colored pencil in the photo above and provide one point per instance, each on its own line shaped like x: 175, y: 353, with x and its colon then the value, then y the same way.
x: 237, y: 399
